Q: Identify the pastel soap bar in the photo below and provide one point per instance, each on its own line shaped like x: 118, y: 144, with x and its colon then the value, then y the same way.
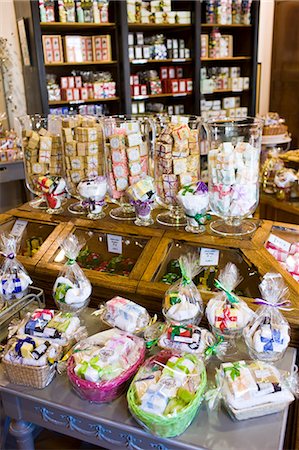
x: 120, y: 170
x: 134, y: 139
x: 117, y: 141
x: 179, y: 166
x: 133, y: 153
x: 135, y: 168
x: 118, y: 155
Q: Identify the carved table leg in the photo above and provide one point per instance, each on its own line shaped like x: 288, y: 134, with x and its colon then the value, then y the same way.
x: 22, y: 432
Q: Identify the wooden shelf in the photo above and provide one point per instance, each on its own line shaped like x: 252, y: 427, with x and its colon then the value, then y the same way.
x: 146, y: 97
x: 225, y: 91
x: 85, y: 63
x: 230, y: 58
x: 173, y: 60
x: 82, y: 102
x: 148, y: 26
x: 219, y: 25
x: 74, y: 26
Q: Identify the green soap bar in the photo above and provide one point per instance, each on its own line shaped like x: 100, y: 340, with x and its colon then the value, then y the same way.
x: 175, y: 405
x: 185, y: 395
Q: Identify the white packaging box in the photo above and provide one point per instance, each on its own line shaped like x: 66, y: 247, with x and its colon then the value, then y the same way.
x: 131, y: 53
x: 138, y: 52
x: 139, y: 39
x: 131, y: 39
x: 246, y: 82
x: 141, y: 107
x: 235, y: 72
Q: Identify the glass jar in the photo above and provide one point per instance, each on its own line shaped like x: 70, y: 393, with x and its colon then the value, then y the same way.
x: 83, y: 150
x: 128, y: 144
x: 234, y: 152
x: 44, y: 168
x: 176, y: 163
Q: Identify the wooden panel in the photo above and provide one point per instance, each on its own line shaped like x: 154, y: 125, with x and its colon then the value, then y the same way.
x: 285, y: 68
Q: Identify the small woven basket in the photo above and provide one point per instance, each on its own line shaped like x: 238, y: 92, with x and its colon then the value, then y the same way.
x: 104, y: 391
x: 164, y: 426
x: 34, y: 376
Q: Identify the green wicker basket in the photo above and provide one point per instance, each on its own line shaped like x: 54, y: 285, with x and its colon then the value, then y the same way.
x: 171, y: 425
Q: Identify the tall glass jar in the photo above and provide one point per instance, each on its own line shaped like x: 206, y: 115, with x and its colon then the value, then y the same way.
x: 234, y: 157
x: 44, y: 168
x: 128, y: 142
x: 83, y: 150
x: 176, y: 163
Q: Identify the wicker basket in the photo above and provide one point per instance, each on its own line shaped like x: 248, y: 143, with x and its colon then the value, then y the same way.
x: 164, y: 426
x: 34, y: 376
x: 104, y: 391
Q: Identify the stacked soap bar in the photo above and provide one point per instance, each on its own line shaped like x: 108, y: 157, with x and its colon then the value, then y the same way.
x: 83, y: 148
x: 177, y: 160
x: 127, y: 157
x: 43, y: 153
x: 233, y: 173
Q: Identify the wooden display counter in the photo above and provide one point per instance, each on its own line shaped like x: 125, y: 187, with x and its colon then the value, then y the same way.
x: 282, y: 211
x: 36, y: 233
x: 153, y: 251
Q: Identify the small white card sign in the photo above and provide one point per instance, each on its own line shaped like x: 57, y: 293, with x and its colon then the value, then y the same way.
x: 209, y: 257
x: 19, y: 227
x: 114, y: 243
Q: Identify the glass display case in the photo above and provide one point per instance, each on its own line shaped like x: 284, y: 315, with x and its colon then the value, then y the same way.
x: 111, y: 258
x: 35, y: 236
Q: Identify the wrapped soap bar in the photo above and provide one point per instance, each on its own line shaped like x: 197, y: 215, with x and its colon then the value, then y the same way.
x: 227, y: 313
x: 13, y: 276
x: 54, y: 191
x: 267, y: 336
x: 195, y: 200
x: 182, y: 302
x: 191, y: 339
x: 124, y: 314
x: 93, y: 191
x: 72, y: 289
x: 102, y: 364
x: 166, y: 392
x: 142, y: 194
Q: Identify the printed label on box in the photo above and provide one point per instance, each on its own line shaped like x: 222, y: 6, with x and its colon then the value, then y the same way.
x: 19, y: 227
x: 279, y: 243
x: 209, y: 257
x: 114, y: 243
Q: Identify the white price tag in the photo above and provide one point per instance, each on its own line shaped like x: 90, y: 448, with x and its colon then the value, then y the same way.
x: 114, y: 243
x: 19, y: 227
x: 279, y: 243
x: 209, y: 257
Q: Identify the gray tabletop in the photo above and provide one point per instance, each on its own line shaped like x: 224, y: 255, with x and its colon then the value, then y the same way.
x: 59, y: 408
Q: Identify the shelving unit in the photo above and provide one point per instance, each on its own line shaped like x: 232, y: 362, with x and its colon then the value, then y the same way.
x: 244, y: 56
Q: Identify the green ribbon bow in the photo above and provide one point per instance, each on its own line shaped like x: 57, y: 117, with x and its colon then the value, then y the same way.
x: 234, y: 370
x: 70, y: 262
x: 212, y: 350
x: 186, y: 189
x: 152, y: 343
x: 232, y: 298
x: 186, y: 280
x: 200, y: 218
x: 92, y: 363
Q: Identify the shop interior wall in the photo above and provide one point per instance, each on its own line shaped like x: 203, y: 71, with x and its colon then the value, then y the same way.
x: 13, y: 80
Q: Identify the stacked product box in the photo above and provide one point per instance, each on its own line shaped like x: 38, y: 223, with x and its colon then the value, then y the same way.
x: 83, y: 148
x: 156, y: 47
x: 216, y: 45
x: 156, y: 11
x: 74, y: 89
x: 227, y: 12
x: 171, y: 81
x: 70, y: 11
x: 230, y: 107
x: 77, y: 48
x: 219, y: 78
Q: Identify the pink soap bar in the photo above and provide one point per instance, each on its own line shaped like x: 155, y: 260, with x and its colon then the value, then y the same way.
x: 120, y: 170
x: 119, y: 156
x: 133, y: 180
x: 144, y: 164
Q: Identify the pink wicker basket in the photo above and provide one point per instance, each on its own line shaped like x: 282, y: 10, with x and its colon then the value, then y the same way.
x: 104, y: 391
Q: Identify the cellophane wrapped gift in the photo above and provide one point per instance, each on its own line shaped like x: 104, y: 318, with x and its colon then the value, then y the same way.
x: 102, y: 364
x: 124, y: 314
x: 13, y: 276
x: 72, y: 289
x: 59, y: 328
x: 29, y: 361
x: 252, y: 389
x: 267, y: 336
x: 182, y: 302
x: 226, y: 312
x: 167, y: 391
x: 191, y: 339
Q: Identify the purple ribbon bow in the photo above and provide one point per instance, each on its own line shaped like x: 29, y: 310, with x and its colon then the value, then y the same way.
x: 284, y: 305
x: 9, y: 256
